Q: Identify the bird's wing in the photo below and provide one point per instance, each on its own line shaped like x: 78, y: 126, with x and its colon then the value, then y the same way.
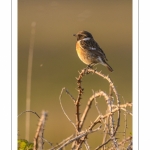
x: 92, y: 46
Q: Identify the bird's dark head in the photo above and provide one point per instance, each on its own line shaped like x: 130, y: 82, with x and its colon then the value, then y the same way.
x: 82, y: 35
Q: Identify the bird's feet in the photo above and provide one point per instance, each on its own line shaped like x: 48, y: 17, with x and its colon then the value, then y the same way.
x: 90, y: 66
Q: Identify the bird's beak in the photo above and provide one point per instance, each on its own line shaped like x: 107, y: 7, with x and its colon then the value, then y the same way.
x: 74, y: 34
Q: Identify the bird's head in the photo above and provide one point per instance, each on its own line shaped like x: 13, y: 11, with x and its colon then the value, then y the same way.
x: 82, y: 35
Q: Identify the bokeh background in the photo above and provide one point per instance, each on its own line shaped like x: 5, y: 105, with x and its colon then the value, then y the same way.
x: 56, y: 64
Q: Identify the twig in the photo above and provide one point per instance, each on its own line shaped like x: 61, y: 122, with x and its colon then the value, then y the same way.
x: 98, y: 147
x: 89, y: 103
x: 130, y: 146
x: 64, y: 110
x: 111, y: 121
x: 97, y: 94
x: 121, y: 144
x: 104, y: 121
x: 106, y: 130
x: 82, y: 134
x: 70, y: 95
x: 38, y: 139
x: 96, y: 105
x: 29, y: 111
x: 125, y: 121
x: 64, y: 141
x: 109, y: 80
x: 115, y: 92
x: 86, y: 145
x: 77, y: 103
x: 125, y: 140
x: 126, y: 111
x: 80, y: 92
x: 122, y: 106
x: 105, y: 116
x: 47, y: 141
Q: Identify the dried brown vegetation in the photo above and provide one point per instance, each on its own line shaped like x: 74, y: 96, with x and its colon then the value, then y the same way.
x: 108, y: 123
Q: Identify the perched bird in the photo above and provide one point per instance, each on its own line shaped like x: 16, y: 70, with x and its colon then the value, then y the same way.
x: 89, y: 51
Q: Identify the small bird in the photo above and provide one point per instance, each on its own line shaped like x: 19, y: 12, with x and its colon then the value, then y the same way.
x: 89, y: 51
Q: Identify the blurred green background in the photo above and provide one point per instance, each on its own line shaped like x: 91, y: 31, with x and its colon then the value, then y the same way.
x: 56, y: 64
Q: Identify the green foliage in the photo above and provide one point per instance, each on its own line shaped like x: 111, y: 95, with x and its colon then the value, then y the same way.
x: 24, y: 145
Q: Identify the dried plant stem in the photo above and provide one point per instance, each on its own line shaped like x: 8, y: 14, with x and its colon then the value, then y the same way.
x: 70, y: 95
x: 86, y: 145
x: 97, y: 120
x: 121, y: 144
x: 108, y: 79
x: 111, y: 122
x: 106, y: 129
x: 80, y: 92
x: 38, y: 139
x: 98, y: 147
x: 29, y: 74
x: 109, y: 129
x: 112, y: 88
x: 77, y: 103
x: 89, y: 103
x: 62, y: 143
x: 64, y: 110
x: 30, y: 112
x: 105, y: 122
x: 82, y: 134
x: 123, y: 107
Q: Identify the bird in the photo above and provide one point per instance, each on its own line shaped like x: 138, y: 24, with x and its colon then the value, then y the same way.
x: 89, y: 51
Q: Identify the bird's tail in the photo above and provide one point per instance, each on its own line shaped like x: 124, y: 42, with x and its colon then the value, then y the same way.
x: 109, y: 68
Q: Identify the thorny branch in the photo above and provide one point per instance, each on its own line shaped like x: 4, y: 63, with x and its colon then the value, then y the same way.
x: 80, y: 92
x: 105, y: 120
x: 111, y: 129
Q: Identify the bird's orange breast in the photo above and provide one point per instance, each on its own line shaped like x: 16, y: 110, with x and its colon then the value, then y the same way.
x: 79, y: 49
x: 82, y: 54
